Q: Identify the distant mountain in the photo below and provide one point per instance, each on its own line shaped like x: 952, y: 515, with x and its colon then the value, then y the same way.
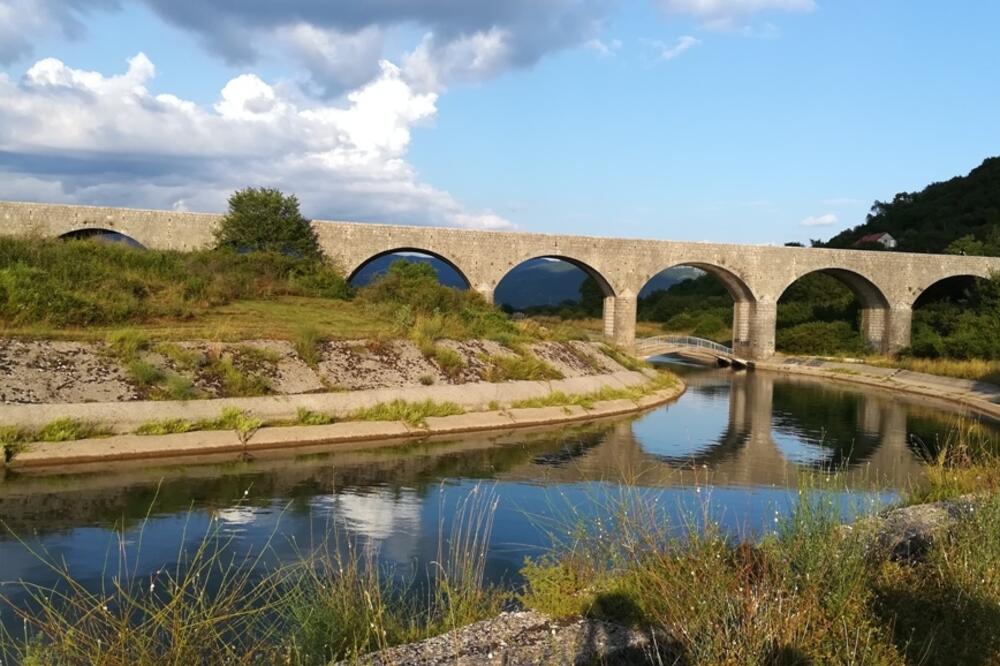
x: 548, y: 282
x: 965, y: 207
x: 446, y: 274
x: 535, y: 282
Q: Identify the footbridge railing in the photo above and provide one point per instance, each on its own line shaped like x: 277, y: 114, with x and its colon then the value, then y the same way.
x: 661, y: 344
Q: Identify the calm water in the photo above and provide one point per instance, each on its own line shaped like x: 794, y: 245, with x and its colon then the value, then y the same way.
x: 737, y: 443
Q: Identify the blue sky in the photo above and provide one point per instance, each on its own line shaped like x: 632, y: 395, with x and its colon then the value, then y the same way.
x: 758, y: 121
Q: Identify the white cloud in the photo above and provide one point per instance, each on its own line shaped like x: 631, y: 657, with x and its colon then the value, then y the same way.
x: 734, y: 14
x: 481, y: 55
x: 671, y: 51
x: 603, y: 48
x: 78, y: 136
x: 825, y: 220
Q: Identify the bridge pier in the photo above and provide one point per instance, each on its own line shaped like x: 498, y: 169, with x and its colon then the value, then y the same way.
x: 900, y: 320
x: 760, y: 321
x: 873, y: 328
x: 619, y: 319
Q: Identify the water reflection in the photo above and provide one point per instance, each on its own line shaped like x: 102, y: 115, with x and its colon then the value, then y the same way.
x: 743, y: 440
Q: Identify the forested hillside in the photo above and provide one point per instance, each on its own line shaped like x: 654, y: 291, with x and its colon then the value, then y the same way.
x: 961, y: 214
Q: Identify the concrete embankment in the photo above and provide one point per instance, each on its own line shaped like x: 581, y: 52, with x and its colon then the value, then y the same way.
x: 480, y: 400
x: 979, y: 397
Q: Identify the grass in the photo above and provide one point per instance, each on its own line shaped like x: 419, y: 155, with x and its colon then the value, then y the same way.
x: 976, y: 369
x: 58, y: 283
x: 412, y: 413
x: 450, y: 361
x: 808, y: 592
x: 167, y: 427
x: 586, y: 400
x: 217, y: 606
x: 231, y: 418
x: 523, y: 366
x: 308, y: 345
x: 623, y: 358
x: 965, y: 460
x: 306, y: 417
x: 13, y: 438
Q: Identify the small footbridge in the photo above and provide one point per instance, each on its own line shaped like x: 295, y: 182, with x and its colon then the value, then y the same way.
x: 687, y: 345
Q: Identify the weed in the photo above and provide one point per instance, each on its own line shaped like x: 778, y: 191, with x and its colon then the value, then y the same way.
x: 520, y: 367
x: 306, y: 417
x: 127, y: 343
x: 623, y: 358
x: 412, y: 413
x: 68, y: 429
x: 166, y: 427
x: 426, y: 380
x: 308, y: 345
x: 144, y: 374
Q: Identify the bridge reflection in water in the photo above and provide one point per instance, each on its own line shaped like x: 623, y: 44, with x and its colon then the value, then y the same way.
x: 755, y: 429
x: 741, y: 429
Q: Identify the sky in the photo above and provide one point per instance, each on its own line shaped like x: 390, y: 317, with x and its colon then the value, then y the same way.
x: 754, y: 121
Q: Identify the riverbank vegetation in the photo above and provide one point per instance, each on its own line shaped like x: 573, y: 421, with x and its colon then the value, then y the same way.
x: 809, y: 592
x: 805, y: 591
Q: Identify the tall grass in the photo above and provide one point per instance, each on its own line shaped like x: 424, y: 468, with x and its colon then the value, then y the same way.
x: 82, y: 283
x: 334, y: 601
x: 966, y: 459
x: 807, y: 592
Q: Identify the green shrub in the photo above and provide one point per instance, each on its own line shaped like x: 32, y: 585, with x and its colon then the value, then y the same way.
x: 823, y: 338
x: 266, y: 220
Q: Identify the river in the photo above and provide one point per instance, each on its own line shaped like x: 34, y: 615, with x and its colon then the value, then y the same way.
x: 737, y: 446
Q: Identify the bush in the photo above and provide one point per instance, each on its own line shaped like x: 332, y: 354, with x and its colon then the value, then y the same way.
x: 266, y: 220
x: 425, y: 310
x: 822, y: 337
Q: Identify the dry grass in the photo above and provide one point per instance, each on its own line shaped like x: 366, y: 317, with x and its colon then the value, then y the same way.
x: 976, y: 369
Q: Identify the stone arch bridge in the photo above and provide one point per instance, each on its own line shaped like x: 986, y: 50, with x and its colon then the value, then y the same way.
x: 886, y: 283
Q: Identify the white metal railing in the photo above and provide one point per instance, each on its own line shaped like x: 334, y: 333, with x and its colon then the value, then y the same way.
x: 681, y: 341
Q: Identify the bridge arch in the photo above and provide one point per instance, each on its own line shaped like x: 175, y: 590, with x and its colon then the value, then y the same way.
x: 102, y: 234
x: 875, y: 307
x: 617, y: 313
x: 358, y: 266
x: 926, y: 287
x: 735, y: 285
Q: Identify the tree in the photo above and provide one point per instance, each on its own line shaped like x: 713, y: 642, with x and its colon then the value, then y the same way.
x: 266, y: 220
x: 591, y: 297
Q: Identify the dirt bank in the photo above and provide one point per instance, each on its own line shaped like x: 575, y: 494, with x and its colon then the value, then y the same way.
x: 51, y: 372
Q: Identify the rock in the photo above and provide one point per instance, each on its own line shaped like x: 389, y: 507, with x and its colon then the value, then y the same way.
x: 522, y: 638
x: 906, y: 534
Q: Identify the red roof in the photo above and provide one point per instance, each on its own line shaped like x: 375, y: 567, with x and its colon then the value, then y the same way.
x: 872, y: 238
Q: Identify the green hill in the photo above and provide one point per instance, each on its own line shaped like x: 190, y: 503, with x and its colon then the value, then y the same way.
x: 955, y: 215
